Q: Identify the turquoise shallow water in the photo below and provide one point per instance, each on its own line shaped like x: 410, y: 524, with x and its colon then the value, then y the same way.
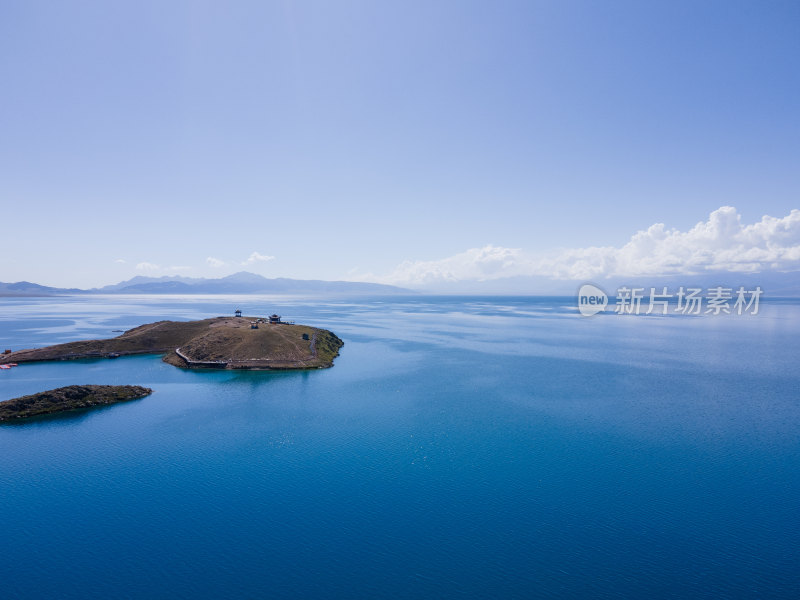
x: 461, y: 447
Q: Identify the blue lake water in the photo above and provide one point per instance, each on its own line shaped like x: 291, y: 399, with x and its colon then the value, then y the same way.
x: 461, y: 447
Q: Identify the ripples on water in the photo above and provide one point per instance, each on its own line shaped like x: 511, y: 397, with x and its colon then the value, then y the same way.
x: 461, y: 447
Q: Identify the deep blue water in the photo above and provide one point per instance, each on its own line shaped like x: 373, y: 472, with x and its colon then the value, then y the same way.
x: 460, y: 448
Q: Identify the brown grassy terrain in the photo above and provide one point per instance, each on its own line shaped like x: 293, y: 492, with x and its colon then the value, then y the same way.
x: 72, y: 397
x: 223, y: 342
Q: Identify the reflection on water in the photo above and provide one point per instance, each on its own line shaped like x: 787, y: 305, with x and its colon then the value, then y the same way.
x: 467, y: 447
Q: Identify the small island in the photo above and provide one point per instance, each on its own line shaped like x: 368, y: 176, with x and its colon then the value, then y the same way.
x: 256, y: 343
x: 68, y: 398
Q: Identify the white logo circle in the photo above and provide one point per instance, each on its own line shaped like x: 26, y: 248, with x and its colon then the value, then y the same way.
x: 591, y: 300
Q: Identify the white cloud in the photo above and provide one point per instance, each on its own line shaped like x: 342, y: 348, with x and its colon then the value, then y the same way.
x: 488, y: 262
x: 146, y: 266
x: 120, y: 261
x: 256, y: 257
x: 178, y: 268
x: 721, y: 243
x: 215, y: 263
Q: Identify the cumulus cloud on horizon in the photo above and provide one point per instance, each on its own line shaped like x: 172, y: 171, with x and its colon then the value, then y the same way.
x: 256, y: 257
x: 215, y: 263
x: 721, y: 243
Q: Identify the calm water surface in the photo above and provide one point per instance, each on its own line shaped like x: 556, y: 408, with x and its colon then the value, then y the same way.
x: 460, y: 448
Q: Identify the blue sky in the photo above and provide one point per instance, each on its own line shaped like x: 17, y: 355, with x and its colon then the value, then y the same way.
x: 395, y: 141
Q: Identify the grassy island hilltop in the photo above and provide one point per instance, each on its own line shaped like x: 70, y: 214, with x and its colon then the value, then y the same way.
x: 218, y: 343
x: 72, y: 397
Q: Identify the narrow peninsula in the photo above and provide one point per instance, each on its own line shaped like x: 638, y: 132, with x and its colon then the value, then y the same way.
x: 68, y: 398
x: 217, y: 343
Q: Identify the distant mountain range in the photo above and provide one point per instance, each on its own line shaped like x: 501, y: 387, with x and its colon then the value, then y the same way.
x: 773, y: 284
x: 238, y: 283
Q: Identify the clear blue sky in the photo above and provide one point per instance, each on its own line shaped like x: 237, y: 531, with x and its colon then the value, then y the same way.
x: 355, y: 135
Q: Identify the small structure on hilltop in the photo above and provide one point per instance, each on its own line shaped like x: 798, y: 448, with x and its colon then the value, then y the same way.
x: 274, y: 319
x: 238, y: 313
